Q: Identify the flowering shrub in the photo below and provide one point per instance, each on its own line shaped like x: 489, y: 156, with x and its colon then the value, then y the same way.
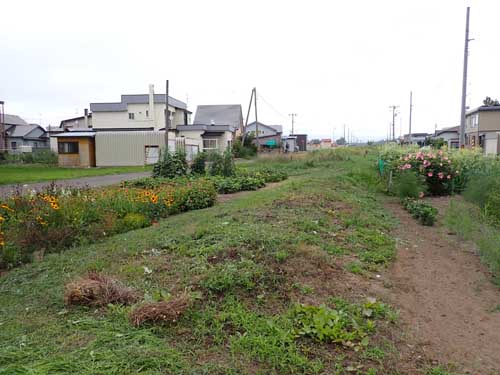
x: 57, y: 219
x: 436, y: 167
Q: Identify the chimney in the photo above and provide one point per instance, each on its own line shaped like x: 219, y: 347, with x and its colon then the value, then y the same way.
x: 86, y: 118
x: 151, y: 113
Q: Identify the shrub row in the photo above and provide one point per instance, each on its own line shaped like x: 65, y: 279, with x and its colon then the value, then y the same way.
x: 423, y: 212
x: 59, y: 218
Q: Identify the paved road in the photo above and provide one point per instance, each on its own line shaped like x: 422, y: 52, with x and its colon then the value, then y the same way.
x: 94, y: 181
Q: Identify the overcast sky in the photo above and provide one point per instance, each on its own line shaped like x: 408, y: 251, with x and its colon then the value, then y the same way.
x: 331, y: 62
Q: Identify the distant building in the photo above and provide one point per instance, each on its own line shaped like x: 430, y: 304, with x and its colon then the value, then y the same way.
x: 416, y: 138
x: 24, y: 137
x: 449, y: 135
x: 269, y: 135
x: 482, y: 128
x: 326, y: 143
x: 301, y: 141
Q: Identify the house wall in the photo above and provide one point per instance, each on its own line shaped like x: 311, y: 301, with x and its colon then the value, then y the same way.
x: 195, y: 137
x: 78, y: 124
x: 127, y: 148
x: 489, y: 120
x: 263, y: 131
x: 492, y: 143
x: 106, y: 120
x: 85, y: 156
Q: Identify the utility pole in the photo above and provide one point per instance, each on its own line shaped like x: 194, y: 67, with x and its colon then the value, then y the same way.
x: 411, y: 109
x: 248, y: 115
x: 394, y: 114
x: 464, y: 81
x: 3, y: 135
x: 344, y: 134
x: 256, y: 120
x: 167, y: 119
x: 293, y: 121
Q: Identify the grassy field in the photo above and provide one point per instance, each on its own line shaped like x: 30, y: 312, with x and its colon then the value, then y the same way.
x: 277, y: 278
x: 19, y: 173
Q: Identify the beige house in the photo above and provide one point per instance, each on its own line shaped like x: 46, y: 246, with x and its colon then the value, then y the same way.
x: 139, y: 112
x: 482, y: 128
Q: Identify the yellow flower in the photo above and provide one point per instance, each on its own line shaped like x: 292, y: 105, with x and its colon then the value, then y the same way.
x: 2, y: 219
x: 54, y: 206
x: 52, y: 200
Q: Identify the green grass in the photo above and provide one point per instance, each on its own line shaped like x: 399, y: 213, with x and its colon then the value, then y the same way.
x: 248, y: 261
x: 467, y: 221
x: 19, y: 173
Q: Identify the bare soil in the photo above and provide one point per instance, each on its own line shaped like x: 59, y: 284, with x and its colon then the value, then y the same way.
x: 445, y: 295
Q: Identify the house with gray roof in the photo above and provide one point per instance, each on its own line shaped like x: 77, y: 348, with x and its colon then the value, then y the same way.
x: 269, y: 135
x: 220, y: 114
x: 139, y: 112
x: 19, y: 133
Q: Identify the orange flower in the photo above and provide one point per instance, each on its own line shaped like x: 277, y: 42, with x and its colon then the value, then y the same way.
x: 54, y: 206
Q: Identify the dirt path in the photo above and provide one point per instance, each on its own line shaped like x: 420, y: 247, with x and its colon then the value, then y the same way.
x: 446, y: 298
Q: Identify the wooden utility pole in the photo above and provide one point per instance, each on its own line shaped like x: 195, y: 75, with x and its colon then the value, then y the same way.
x: 411, y: 108
x: 246, y: 121
x: 256, y: 120
x: 3, y: 135
x: 293, y: 121
x: 464, y: 81
x: 167, y: 117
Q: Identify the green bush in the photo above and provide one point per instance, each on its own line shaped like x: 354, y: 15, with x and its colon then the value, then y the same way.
x: 216, y: 164
x: 423, y: 212
x: 228, y: 185
x: 228, y: 166
x: 133, y: 221
x: 45, y: 157
x: 198, y: 166
x: 171, y: 165
x: 247, y: 150
x: 408, y: 184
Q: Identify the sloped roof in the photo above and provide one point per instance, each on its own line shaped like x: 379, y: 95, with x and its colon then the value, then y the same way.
x: 23, y: 131
x: 220, y: 114
x: 14, y: 120
x: 135, y: 99
x: 276, y: 128
x: 452, y: 129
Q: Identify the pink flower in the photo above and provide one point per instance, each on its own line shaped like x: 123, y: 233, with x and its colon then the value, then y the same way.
x: 449, y: 161
x: 448, y: 177
x: 441, y: 175
x: 429, y: 174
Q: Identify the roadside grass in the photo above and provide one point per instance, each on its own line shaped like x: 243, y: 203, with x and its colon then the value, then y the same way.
x: 23, y: 174
x: 248, y: 263
x: 466, y: 220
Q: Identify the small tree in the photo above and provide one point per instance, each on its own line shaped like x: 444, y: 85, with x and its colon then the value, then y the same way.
x: 228, y: 166
x: 199, y: 161
x: 171, y: 165
x: 216, y: 164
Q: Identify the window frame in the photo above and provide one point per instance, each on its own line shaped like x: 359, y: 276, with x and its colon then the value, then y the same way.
x: 131, y: 116
x: 210, y: 140
x: 61, y: 149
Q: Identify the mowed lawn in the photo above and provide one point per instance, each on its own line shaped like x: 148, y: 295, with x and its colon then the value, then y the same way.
x: 21, y: 174
x: 257, y: 267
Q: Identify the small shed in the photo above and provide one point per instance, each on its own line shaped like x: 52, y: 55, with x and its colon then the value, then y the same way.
x: 76, y: 149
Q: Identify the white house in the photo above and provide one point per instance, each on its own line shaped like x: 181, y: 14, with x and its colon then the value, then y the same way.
x: 139, y: 112
x: 449, y: 135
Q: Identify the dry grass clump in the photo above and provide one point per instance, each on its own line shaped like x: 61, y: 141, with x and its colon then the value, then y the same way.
x: 97, y: 289
x: 160, y: 312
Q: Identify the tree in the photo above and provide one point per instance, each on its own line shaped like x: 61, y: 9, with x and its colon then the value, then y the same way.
x: 341, y: 141
x: 488, y: 102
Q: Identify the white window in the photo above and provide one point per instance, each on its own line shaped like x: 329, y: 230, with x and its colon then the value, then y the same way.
x: 210, y: 144
x: 131, y: 116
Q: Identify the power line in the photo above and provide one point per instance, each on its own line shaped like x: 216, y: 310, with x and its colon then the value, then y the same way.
x: 272, y: 107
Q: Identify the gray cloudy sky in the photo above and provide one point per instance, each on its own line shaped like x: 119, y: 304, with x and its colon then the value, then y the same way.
x: 332, y: 62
